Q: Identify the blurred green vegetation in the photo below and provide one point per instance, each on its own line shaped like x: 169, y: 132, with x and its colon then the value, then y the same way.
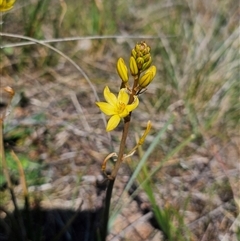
x: 31, y: 169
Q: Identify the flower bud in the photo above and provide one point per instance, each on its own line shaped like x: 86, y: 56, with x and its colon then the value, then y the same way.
x: 146, y: 57
x: 122, y: 70
x: 142, y: 48
x: 147, y: 64
x: 141, y: 53
x: 148, y: 76
x: 140, y: 62
x: 134, y: 53
x: 133, y: 66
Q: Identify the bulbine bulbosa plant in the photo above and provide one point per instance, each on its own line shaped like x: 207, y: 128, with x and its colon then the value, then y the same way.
x: 120, y: 108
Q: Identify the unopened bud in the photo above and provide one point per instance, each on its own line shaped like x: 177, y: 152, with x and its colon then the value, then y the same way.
x: 146, y: 57
x: 140, y: 62
x: 133, y: 66
x: 134, y: 53
x: 122, y: 70
x: 148, y: 76
x: 147, y: 64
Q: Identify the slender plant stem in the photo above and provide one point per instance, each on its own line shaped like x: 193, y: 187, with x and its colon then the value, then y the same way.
x: 117, y: 165
x: 104, y: 230
x: 121, y: 149
x: 112, y: 180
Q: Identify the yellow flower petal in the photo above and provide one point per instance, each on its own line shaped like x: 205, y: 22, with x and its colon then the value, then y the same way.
x: 134, y: 105
x: 106, y: 108
x: 124, y: 113
x: 109, y: 97
x: 6, y: 5
x: 113, y: 122
x: 123, y: 96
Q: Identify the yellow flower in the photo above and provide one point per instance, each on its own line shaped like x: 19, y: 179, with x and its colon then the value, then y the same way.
x: 116, y: 107
x: 6, y: 5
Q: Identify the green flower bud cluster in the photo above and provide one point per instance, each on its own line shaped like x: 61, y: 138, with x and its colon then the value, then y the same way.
x: 140, y: 67
x: 142, y: 56
x: 142, y: 60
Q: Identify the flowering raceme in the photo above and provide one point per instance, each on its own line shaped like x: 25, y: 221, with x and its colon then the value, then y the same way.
x: 116, y: 107
x: 6, y: 5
